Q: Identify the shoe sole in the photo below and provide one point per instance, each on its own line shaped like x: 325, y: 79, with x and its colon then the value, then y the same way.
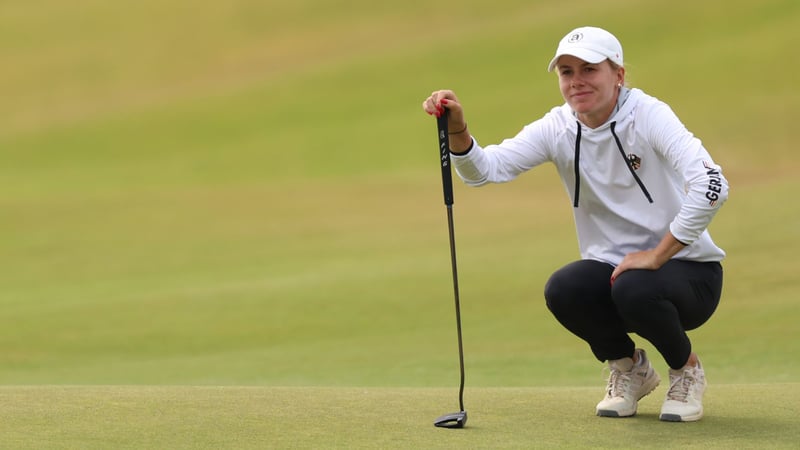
x: 679, y: 418
x: 611, y: 413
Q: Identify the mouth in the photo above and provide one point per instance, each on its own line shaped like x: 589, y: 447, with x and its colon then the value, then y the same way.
x: 581, y: 95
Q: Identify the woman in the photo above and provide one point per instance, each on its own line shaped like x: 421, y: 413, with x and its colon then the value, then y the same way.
x: 643, y: 191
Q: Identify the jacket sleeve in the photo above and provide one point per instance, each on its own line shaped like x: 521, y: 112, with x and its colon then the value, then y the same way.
x: 705, y: 186
x: 503, y: 162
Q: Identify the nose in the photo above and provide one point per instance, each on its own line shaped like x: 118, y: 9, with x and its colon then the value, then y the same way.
x: 576, y: 81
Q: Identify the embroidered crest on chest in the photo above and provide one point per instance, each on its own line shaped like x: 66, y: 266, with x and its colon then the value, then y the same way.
x: 634, y: 161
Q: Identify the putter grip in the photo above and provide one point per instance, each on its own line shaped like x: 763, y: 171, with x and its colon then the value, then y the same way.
x: 444, y: 158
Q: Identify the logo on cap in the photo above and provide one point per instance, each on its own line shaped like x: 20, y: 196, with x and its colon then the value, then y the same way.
x: 575, y: 37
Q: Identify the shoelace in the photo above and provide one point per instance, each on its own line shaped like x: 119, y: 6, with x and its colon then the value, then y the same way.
x: 618, y: 382
x: 679, y: 387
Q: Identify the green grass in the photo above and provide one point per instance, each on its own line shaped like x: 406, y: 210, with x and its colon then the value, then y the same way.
x: 740, y: 416
x: 243, y: 198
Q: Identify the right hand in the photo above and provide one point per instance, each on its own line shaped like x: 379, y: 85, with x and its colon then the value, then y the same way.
x: 435, y: 105
x: 438, y: 101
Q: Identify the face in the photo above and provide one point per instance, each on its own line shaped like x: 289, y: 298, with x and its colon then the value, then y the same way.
x: 590, y: 89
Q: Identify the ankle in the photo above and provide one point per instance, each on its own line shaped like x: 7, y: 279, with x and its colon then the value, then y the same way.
x: 621, y: 364
x: 693, y: 362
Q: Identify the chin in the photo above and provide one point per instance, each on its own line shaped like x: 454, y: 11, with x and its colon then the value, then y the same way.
x: 581, y: 109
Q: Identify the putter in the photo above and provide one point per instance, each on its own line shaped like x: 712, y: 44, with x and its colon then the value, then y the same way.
x: 457, y: 419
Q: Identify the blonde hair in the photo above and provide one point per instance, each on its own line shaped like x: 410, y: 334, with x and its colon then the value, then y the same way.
x: 616, y: 66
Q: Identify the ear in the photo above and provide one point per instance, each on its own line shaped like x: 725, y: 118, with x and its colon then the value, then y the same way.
x: 621, y: 76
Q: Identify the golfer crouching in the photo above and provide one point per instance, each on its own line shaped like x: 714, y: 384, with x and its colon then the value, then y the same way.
x: 643, y: 190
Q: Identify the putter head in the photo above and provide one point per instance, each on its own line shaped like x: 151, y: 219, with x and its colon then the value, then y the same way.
x: 454, y: 420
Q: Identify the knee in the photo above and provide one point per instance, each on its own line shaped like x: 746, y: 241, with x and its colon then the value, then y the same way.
x: 558, y: 293
x: 576, y: 286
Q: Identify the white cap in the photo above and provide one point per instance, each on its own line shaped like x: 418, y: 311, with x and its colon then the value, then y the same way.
x: 591, y: 44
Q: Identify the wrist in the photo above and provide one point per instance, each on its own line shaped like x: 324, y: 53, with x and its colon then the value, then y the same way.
x: 462, y: 147
x: 460, y: 130
x: 667, y: 248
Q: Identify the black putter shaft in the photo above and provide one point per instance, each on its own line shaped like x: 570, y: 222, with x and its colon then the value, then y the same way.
x: 459, y: 419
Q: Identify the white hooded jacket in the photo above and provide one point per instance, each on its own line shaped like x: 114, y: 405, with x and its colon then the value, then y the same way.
x: 632, y: 179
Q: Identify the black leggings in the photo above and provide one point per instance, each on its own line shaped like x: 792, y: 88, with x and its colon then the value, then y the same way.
x: 658, y: 305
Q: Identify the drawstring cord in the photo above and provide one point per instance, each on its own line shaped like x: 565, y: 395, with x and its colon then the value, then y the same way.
x: 629, y: 164
x: 576, y: 164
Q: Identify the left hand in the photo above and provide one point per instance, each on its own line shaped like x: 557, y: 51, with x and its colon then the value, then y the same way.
x: 651, y: 259
x: 645, y: 259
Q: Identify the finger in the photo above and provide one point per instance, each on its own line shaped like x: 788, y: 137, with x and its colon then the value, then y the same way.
x: 617, y: 271
x: 425, y: 106
x: 440, y: 97
x: 439, y: 101
x: 453, y: 106
x: 430, y: 106
x: 436, y: 98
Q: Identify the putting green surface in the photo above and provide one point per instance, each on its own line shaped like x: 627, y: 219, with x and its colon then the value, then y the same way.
x: 737, y: 416
x: 222, y: 225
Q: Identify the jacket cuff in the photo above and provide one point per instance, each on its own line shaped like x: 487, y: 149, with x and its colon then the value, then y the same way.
x: 471, y: 145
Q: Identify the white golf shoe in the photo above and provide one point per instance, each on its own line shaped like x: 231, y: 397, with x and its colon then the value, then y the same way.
x: 627, y: 384
x: 684, y: 402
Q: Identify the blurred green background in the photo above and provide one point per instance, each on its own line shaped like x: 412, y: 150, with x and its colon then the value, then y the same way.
x: 247, y: 192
